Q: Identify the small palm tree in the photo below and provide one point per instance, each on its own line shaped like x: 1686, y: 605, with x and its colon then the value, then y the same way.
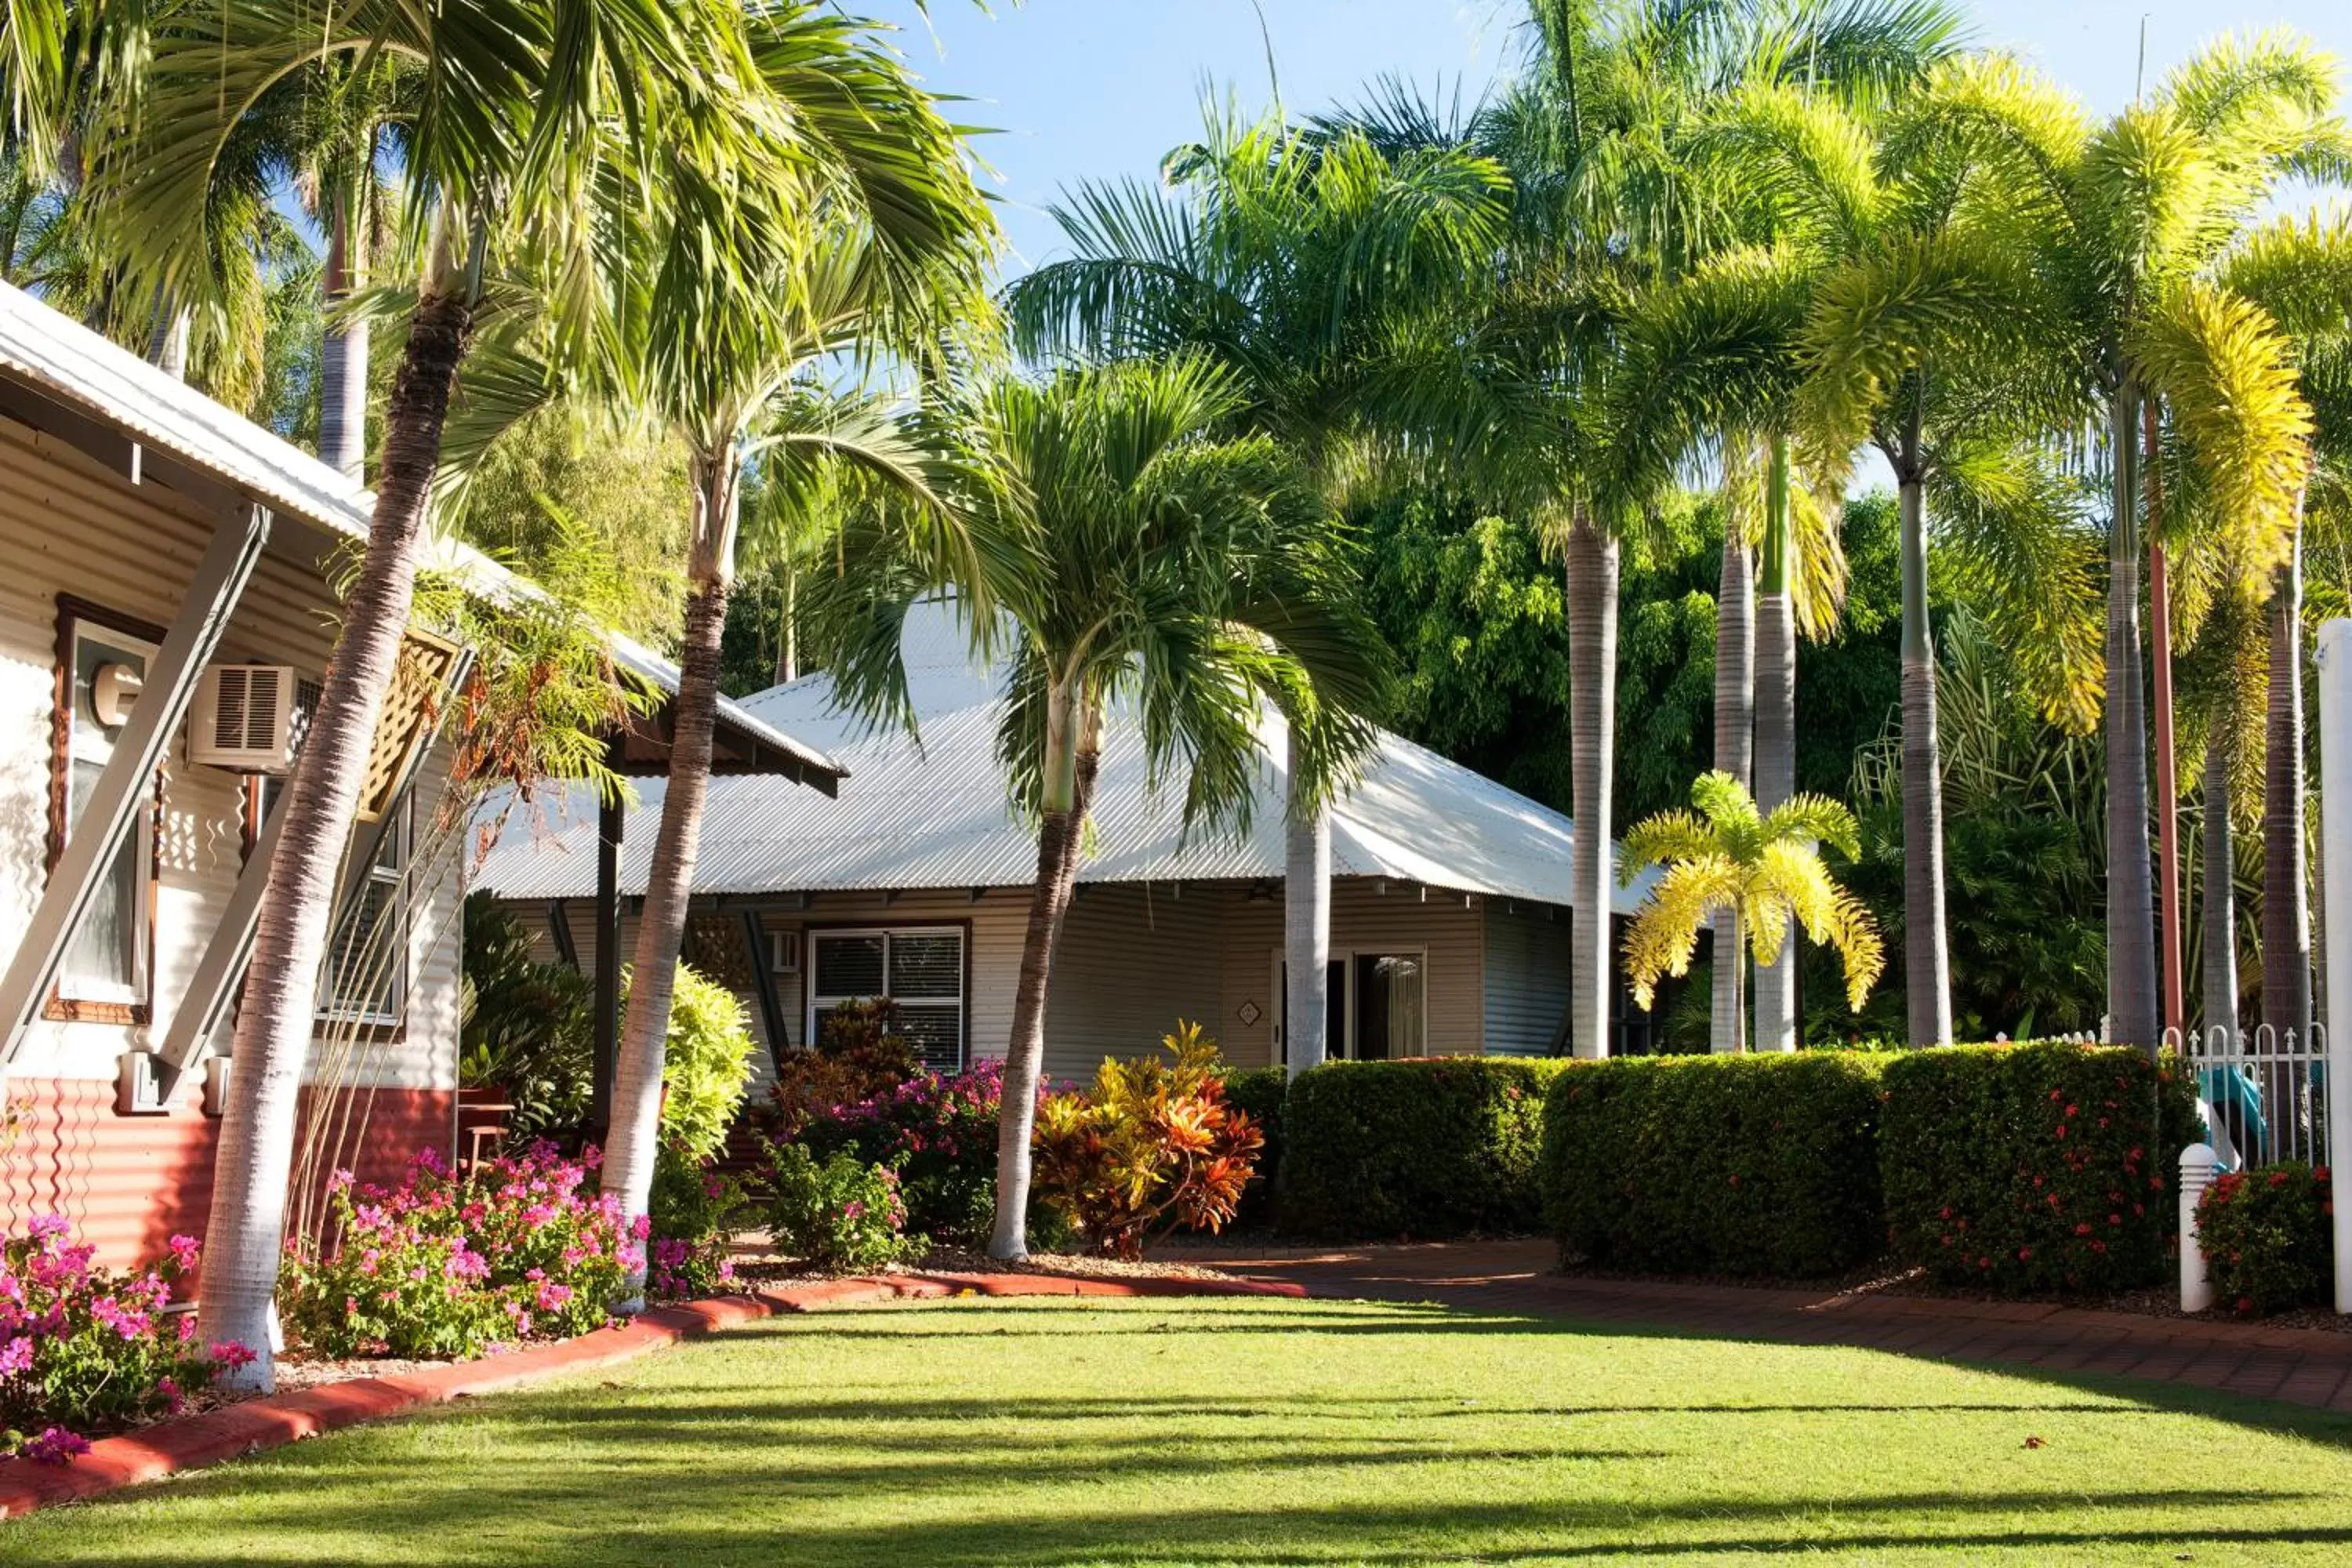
x: 1760, y: 871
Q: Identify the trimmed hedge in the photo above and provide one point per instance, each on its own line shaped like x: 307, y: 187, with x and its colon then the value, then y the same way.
x: 2030, y: 1169
x: 1431, y: 1147
x: 1260, y: 1091
x: 1762, y: 1165
x: 2269, y: 1235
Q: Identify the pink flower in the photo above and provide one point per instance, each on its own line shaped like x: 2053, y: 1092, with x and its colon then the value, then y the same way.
x: 55, y: 1446
x: 15, y: 1355
x: 229, y: 1354
x: 184, y: 1252
x: 44, y: 1229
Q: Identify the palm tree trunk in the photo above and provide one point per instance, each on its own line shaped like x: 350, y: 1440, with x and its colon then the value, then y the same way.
x: 1735, y: 747
x: 2132, y: 988
x: 1927, y: 961
x: 1592, y: 745
x: 1776, y: 736
x: 343, y: 358
x: 274, y: 1022
x: 2167, y: 785
x: 1306, y: 925
x: 633, y: 1143
x: 2220, y: 913
x: 2287, y: 909
x: 1071, y: 759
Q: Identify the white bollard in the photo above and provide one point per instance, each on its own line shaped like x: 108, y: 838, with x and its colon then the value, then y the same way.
x: 2197, y: 1165
x: 2336, y: 891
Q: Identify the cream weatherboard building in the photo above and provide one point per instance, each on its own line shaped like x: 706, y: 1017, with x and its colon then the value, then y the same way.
x: 164, y: 568
x: 1449, y: 902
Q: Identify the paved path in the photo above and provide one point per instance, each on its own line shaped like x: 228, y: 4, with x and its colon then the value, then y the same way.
x: 2302, y: 1367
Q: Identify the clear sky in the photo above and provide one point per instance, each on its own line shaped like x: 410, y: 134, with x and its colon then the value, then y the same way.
x: 1095, y: 88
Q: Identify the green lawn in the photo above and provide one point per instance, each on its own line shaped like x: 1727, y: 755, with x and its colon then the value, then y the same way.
x: 1258, y: 1432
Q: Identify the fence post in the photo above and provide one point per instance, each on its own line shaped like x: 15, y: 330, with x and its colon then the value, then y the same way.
x: 2197, y: 1164
x: 2335, y: 660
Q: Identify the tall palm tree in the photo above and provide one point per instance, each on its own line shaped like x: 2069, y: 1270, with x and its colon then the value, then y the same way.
x: 2137, y: 211
x: 1193, y: 574
x: 519, y: 105
x: 1930, y: 339
x: 1284, y: 255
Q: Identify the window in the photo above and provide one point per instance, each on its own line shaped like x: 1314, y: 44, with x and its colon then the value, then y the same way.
x: 919, y: 969
x: 1377, y: 1005
x: 367, y: 973
x: 106, y: 972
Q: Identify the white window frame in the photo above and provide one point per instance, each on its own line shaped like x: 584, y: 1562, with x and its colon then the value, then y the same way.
x: 399, y: 826
x: 1346, y: 957
x: 85, y: 743
x: 814, y: 1007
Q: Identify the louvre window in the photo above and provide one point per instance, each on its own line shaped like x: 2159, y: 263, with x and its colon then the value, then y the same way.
x: 367, y: 972
x: 921, y: 970
x: 105, y: 972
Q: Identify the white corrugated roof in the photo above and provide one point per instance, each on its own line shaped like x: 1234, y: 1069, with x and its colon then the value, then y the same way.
x: 935, y: 813
x: 97, y: 377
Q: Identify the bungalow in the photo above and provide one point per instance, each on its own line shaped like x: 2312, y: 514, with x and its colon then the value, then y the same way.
x: 165, y: 611
x: 1449, y: 901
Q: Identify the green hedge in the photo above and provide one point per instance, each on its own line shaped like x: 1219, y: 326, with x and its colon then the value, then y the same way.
x: 1260, y: 1091
x: 2035, y: 1168
x: 1735, y: 1164
x: 1427, y: 1148
x: 2269, y: 1238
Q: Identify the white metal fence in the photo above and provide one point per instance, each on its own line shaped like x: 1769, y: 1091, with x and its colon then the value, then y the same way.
x: 2263, y: 1094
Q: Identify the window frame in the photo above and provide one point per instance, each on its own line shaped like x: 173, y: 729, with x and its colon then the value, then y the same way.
x: 1346, y: 956
x: 400, y: 819
x: 74, y: 614
x: 814, y: 1007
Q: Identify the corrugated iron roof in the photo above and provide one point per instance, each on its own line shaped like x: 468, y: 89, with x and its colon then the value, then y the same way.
x: 91, y: 374
x: 931, y: 810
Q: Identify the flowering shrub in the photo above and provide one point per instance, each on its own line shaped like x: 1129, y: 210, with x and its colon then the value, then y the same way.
x: 440, y: 1266
x: 2035, y: 1168
x: 843, y: 1214
x: 939, y: 1134
x: 860, y: 1053
x: 2269, y: 1237
x: 1151, y: 1145
x: 86, y: 1350
x: 693, y: 1207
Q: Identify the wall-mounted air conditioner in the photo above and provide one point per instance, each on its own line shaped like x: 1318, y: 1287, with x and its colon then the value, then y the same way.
x: 245, y: 719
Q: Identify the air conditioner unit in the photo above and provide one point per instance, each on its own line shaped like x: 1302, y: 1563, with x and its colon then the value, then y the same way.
x: 244, y: 719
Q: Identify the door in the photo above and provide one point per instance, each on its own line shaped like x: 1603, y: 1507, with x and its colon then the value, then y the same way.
x: 1335, y: 1009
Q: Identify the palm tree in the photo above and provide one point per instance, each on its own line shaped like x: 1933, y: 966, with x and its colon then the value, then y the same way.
x: 514, y: 128
x: 1760, y: 872
x: 1284, y: 255
x: 2136, y: 213
x: 1192, y: 574
x: 1930, y: 340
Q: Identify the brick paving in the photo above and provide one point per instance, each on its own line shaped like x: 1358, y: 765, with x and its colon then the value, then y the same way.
x: 2309, y: 1367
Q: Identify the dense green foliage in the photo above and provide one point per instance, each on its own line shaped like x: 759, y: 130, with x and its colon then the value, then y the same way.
x: 1763, y: 1165
x: 1428, y: 1148
x: 525, y: 1026
x: 1262, y: 1093
x: 705, y: 1064
x: 2025, y: 1169
x: 839, y: 1214
x: 2269, y: 1237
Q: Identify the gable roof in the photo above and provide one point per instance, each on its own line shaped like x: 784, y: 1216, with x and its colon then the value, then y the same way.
x: 931, y: 811
x: 56, y: 373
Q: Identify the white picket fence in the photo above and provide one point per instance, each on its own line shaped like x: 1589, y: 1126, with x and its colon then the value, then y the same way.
x: 2263, y: 1093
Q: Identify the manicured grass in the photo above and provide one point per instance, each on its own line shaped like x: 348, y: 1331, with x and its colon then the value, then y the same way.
x: 1252, y: 1432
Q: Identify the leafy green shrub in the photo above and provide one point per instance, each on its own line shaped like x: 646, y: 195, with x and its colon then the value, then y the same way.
x: 706, y: 1063
x: 525, y: 1027
x: 842, y: 1215
x: 1260, y: 1092
x: 1429, y: 1147
x: 1152, y: 1145
x: 861, y: 1052
x: 1763, y: 1165
x: 2035, y: 1168
x: 2269, y: 1237
x: 693, y: 1206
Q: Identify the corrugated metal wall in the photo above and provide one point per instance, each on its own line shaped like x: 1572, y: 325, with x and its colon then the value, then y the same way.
x: 1526, y: 978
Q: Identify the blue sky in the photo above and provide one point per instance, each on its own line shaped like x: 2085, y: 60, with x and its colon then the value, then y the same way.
x: 1095, y: 88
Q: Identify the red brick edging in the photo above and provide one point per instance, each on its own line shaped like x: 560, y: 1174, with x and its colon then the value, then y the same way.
x: 191, y: 1442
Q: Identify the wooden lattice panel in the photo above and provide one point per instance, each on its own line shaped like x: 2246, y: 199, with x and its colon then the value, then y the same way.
x: 715, y: 947
x: 411, y: 705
